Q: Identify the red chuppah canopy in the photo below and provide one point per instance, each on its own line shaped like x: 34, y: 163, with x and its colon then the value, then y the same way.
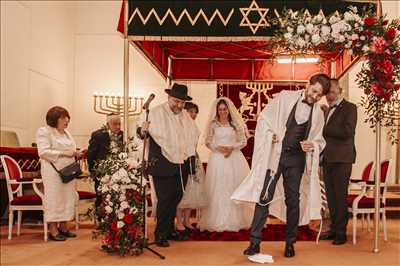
x: 239, y: 60
x: 191, y: 36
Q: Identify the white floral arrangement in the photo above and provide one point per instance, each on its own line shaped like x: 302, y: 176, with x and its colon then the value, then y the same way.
x: 121, y: 209
x: 303, y: 32
x: 363, y: 34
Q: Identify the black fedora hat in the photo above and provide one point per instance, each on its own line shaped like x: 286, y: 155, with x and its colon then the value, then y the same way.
x: 179, y: 91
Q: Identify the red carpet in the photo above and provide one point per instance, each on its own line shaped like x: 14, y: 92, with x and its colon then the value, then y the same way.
x: 274, y: 232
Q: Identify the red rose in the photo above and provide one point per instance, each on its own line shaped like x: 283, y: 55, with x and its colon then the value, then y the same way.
x: 137, y: 195
x: 397, y: 87
x: 380, y: 92
x: 377, y: 90
x: 398, y: 55
x: 386, y: 55
x: 369, y: 21
x: 391, y: 33
x: 379, y: 76
x: 387, y: 95
x: 128, y: 218
x: 379, y: 45
x: 114, y: 226
x: 387, y: 67
x: 368, y: 33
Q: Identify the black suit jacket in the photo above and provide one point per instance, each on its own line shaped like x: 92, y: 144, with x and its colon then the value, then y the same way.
x: 160, y: 166
x: 339, y: 134
x: 99, y: 147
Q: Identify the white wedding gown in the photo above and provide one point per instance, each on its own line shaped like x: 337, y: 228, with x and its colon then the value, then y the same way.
x: 223, y: 176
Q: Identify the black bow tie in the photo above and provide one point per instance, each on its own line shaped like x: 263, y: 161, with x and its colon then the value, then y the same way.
x: 305, y: 101
x: 333, y: 106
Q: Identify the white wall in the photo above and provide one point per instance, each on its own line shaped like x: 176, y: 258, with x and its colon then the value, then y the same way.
x: 37, y: 52
x: 99, y: 65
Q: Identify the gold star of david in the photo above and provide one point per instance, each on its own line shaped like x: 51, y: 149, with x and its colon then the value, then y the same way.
x: 262, y: 22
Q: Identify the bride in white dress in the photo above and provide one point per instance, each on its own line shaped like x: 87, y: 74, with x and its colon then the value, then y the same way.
x: 226, y: 168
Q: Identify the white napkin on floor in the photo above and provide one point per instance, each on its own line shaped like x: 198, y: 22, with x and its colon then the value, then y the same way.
x: 261, y: 258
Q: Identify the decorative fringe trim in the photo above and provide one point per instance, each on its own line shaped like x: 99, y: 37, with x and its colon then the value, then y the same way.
x: 199, y: 38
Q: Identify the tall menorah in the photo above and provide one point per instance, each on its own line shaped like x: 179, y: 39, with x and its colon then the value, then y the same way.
x: 109, y: 103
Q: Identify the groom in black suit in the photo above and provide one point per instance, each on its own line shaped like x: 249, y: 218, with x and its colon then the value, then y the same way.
x: 338, y: 156
x: 99, y: 148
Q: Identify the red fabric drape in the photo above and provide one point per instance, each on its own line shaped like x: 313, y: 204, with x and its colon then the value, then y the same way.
x: 121, y: 24
x: 250, y: 99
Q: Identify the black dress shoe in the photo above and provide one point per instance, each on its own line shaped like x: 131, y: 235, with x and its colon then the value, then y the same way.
x: 339, y: 241
x: 162, y: 242
x: 183, y: 234
x: 57, y: 237
x: 179, y: 235
x: 190, y: 228
x: 289, y: 250
x: 328, y: 236
x: 252, y: 249
x: 66, y: 233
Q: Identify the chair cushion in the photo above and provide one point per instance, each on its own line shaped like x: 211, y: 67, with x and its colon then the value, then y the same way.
x: 31, y: 200
x: 24, y: 179
x: 85, y: 195
x: 364, y: 203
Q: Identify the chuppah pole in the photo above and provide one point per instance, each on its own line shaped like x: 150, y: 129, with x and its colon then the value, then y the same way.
x: 169, y: 71
x: 126, y: 72
x: 377, y: 164
x: 377, y: 185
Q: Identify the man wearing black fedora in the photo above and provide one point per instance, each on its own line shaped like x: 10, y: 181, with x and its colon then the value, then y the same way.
x: 173, y: 138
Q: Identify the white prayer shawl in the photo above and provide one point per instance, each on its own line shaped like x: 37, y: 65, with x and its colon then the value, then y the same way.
x: 176, y: 134
x: 266, y: 155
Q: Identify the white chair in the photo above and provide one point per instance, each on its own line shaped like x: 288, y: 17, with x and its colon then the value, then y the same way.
x: 363, y: 203
x: 17, y: 200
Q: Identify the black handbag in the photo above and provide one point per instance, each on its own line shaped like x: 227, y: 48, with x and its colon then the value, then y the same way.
x: 69, y: 172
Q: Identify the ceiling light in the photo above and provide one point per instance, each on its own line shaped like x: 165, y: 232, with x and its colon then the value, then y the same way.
x: 299, y: 60
x: 307, y: 59
x: 284, y: 60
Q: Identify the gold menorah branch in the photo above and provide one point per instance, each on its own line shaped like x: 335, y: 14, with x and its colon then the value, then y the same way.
x: 107, y: 104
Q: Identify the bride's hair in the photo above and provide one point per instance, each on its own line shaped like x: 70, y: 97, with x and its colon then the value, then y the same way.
x: 220, y: 102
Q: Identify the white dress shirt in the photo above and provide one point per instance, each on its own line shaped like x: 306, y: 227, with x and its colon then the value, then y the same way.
x: 302, y: 111
x: 332, y: 108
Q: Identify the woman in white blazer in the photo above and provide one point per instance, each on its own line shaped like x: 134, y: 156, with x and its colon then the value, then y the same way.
x: 56, y: 145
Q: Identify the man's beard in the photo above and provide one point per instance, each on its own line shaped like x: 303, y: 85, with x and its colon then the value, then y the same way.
x: 176, y: 110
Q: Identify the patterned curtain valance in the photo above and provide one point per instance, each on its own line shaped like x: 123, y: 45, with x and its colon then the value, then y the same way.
x: 222, y: 20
